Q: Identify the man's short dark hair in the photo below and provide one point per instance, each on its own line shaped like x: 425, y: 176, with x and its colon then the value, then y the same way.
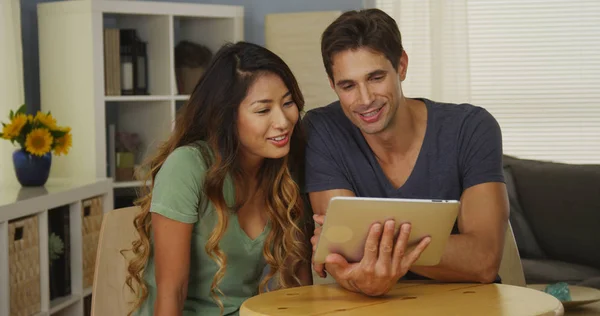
x: 370, y: 28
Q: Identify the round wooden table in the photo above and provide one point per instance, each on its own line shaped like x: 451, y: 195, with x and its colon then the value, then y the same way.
x: 406, y: 299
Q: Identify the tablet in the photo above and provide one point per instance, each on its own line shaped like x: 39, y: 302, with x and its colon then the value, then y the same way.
x: 348, y: 220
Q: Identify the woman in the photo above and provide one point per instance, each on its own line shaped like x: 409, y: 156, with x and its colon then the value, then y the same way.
x: 224, y: 203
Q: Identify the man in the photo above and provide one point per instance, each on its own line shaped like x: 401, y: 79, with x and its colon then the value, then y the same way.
x: 375, y: 142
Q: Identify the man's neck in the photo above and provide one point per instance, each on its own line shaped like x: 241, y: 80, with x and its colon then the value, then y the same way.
x: 403, y: 134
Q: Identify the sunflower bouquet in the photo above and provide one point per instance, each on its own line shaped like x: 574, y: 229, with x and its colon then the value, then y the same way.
x: 37, y: 135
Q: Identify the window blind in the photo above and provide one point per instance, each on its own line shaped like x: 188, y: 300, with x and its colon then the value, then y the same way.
x: 533, y: 64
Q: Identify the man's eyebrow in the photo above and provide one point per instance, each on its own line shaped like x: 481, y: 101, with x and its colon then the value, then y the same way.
x: 344, y: 82
x: 374, y: 73
x: 377, y: 72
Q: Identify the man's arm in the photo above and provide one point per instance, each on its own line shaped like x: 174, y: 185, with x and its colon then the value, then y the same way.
x: 475, y: 253
x: 320, y: 200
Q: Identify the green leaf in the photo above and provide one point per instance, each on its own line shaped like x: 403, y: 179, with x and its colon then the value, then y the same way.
x: 11, y: 115
x: 58, y: 134
x: 22, y: 109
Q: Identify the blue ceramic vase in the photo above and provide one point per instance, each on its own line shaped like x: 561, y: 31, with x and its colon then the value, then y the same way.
x: 32, y: 170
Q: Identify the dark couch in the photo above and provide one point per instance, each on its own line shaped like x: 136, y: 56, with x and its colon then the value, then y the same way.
x: 555, y: 216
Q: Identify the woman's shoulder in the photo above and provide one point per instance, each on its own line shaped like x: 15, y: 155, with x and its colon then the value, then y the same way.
x: 195, y: 154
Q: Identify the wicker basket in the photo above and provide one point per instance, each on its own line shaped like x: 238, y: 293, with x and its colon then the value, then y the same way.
x: 24, y: 266
x: 91, y: 221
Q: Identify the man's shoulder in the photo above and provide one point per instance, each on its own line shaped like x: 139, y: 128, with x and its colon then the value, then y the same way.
x: 454, y: 110
x: 324, y: 113
x: 459, y: 114
x: 329, y: 118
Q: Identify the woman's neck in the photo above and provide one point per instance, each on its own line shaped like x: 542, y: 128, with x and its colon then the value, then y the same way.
x: 250, y: 165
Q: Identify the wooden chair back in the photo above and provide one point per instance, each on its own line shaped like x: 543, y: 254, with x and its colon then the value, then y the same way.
x: 110, y: 295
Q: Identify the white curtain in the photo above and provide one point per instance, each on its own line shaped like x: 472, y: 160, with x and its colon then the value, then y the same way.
x: 11, y: 76
x: 533, y: 64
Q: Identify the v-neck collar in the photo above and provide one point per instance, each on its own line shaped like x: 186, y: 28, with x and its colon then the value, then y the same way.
x: 230, y: 201
x: 388, y: 184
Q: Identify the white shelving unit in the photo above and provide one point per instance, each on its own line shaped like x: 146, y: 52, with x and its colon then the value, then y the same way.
x: 72, y: 71
x: 17, y: 202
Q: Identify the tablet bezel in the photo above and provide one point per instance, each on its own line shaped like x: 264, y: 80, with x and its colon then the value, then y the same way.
x: 348, y: 220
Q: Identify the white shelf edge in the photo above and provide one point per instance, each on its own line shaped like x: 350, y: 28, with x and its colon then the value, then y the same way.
x: 87, y: 292
x: 181, y: 97
x: 128, y: 184
x: 41, y: 202
x: 58, y: 304
x: 169, y: 8
x: 44, y: 260
x: 4, y: 270
x: 137, y: 98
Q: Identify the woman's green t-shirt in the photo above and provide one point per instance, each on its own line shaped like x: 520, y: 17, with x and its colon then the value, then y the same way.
x: 178, y: 194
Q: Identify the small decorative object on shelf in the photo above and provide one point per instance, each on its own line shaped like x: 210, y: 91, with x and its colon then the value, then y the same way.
x: 141, y: 78
x: 191, y: 60
x: 127, y: 145
x: 37, y: 136
x: 56, y: 247
x: 134, y: 64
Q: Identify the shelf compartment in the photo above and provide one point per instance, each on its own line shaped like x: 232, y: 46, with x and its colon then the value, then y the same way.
x: 154, y: 30
x: 151, y: 121
x: 206, y: 35
x: 60, y: 303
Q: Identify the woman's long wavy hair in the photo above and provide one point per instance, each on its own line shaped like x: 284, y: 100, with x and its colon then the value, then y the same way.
x: 210, y: 115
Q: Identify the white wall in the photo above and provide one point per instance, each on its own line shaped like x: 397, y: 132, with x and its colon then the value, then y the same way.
x: 11, y: 75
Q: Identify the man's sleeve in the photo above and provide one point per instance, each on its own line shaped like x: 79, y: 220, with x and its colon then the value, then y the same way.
x: 480, y: 149
x: 323, y: 170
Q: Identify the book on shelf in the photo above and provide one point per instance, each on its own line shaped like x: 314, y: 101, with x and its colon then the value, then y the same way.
x: 112, y: 61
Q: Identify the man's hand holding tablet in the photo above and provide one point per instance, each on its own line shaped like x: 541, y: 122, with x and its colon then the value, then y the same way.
x: 368, y: 244
x: 384, y: 262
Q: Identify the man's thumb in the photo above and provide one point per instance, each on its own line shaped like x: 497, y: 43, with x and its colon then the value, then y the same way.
x: 337, y: 260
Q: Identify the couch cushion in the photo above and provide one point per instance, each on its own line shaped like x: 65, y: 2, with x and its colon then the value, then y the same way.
x: 524, y: 237
x: 593, y: 282
x: 561, y: 203
x: 552, y: 271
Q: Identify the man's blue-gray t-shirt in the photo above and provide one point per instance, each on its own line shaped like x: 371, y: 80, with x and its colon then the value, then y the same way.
x: 462, y: 147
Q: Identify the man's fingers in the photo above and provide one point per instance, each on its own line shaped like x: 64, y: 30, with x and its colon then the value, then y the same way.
x: 386, y: 245
x: 337, y: 266
x: 372, y: 246
x: 416, y: 253
x: 319, y: 219
x: 319, y: 269
x: 315, y: 238
x: 401, y: 243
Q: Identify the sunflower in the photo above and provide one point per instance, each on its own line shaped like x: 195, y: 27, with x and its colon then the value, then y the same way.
x: 38, y: 142
x: 13, y: 129
x: 46, y: 120
x: 63, y: 143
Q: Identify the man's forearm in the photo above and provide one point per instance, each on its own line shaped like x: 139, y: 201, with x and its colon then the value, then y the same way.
x: 465, y: 259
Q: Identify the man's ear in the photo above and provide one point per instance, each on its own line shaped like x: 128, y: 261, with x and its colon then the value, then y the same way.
x: 331, y: 83
x: 403, y: 66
